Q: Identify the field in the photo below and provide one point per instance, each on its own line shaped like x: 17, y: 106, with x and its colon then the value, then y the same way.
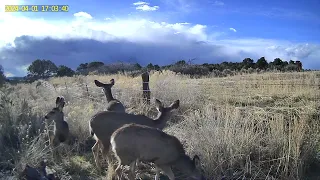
x: 251, y: 126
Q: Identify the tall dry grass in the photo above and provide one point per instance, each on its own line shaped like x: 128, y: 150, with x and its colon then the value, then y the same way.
x: 258, y: 126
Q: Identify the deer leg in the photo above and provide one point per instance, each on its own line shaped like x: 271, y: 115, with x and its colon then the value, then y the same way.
x: 118, y: 171
x: 107, y: 154
x: 95, y: 150
x: 51, y: 140
x: 132, y: 172
x: 157, y: 176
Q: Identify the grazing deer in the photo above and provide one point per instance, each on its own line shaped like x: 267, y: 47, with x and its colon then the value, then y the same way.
x: 134, y: 142
x: 104, y: 123
x: 113, y: 104
x: 61, y: 127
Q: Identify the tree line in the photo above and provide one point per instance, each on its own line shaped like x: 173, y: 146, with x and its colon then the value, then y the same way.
x: 46, y: 68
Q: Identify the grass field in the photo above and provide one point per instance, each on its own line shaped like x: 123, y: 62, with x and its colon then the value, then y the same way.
x: 255, y: 126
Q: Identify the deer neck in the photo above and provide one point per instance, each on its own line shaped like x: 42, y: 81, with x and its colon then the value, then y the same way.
x: 59, y: 119
x: 108, y: 93
x: 162, y: 119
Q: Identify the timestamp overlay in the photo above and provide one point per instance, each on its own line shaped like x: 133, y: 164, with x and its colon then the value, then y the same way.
x: 36, y: 8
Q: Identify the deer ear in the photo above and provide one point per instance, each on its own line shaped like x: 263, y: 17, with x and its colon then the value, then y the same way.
x: 61, y: 103
x: 175, y: 104
x: 196, y: 161
x: 158, y: 104
x: 57, y: 100
x: 112, y: 82
x: 98, y: 83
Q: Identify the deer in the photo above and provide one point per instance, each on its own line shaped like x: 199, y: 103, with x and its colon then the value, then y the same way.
x: 113, y: 104
x: 133, y: 142
x: 104, y: 123
x: 61, y: 127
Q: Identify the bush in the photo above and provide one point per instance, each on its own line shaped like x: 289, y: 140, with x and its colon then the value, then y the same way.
x: 192, y: 70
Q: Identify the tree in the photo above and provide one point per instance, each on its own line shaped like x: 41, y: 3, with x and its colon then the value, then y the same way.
x: 95, y: 64
x: 150, y: 66
x: 137, y: 66
x: 156, y: 67
x: 42, y: 68
x: 181, y: 63
x: 82, y: 66
x: 277, y: 62
x: 2, y: 76
x: 64, y: 71
x: 299, y: 64
x: 262, y: 63
x: 291, y: 62
x: 291, y: 67
x: 248, y: 63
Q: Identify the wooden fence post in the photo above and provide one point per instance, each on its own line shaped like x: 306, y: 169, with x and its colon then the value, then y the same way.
x: 87, y: 90
x: 145, y: 87
x: 65, y: 83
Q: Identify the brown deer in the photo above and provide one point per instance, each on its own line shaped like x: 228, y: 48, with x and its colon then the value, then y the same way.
x: 104, y: 123
x: 134, y: 142
x: 61, y: 127
x: 113, y: 104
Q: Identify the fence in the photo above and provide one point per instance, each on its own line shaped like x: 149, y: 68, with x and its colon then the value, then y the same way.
x: 229, y: 89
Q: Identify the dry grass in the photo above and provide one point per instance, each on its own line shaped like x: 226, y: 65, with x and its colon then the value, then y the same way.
x: 259, y: 126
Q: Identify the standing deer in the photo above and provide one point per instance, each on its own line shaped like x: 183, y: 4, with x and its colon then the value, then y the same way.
x: 61, y: 127
x: 104, y: 123
x: 134, y: 142
x: 113, y: 104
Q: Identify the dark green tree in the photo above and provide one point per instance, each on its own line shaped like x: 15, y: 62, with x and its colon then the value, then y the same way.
x: 247, y: 63
x: 95, y: 64
x: 181, y: 63
x: 82, y: 66
x: 277, y: 64
x: 42, y: 68
x: 150, y: 66
x: 291, y: 62
x: 65, y: 71
x: 156, y: 67
x: 137, y: 66
x: 299, y: 64
x: 262, y: 63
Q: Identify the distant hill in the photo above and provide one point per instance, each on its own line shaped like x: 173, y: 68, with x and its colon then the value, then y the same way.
x: 14, y: 78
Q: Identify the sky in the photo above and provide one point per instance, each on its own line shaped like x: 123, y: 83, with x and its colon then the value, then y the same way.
x: 160, y: 32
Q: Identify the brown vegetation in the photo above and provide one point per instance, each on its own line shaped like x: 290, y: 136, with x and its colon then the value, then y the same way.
x: 259, y: 126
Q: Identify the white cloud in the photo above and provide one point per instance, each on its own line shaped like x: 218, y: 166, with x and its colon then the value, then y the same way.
x: 233, y: 29
x: 147, y: 8
x: 218, y: 3
x: 140, y: 3
x: 82, y: 15
x: 107, y: 18
x: 144, y: 6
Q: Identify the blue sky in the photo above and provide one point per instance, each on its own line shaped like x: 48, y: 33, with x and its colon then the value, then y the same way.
x: 160, y: 32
